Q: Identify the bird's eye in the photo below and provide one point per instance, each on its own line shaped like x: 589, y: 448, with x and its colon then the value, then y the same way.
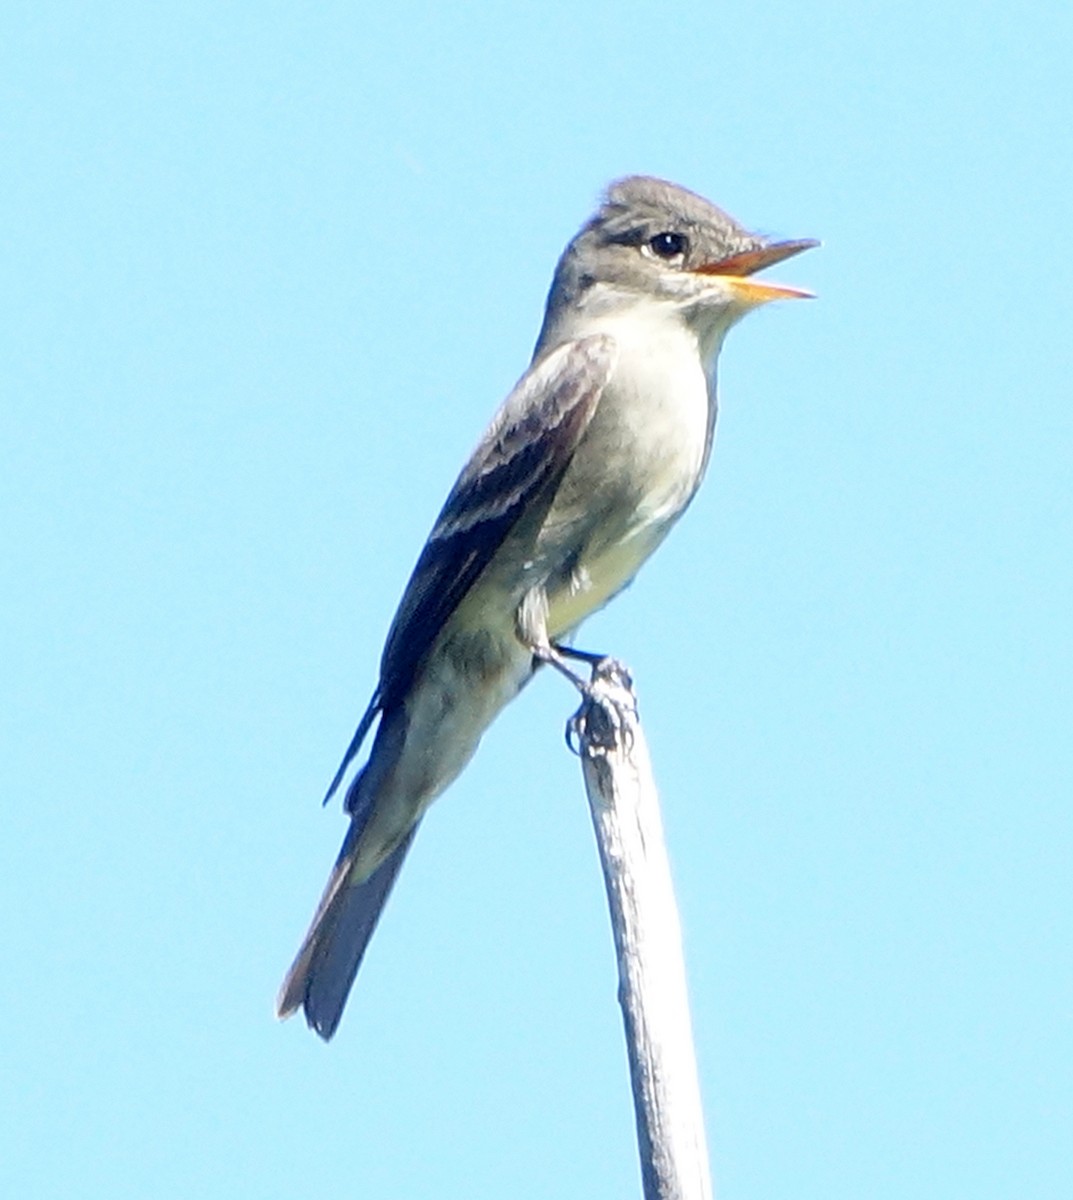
x: 669, y: 245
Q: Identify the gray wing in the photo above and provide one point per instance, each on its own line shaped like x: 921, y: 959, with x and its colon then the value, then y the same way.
x: 514, y: 472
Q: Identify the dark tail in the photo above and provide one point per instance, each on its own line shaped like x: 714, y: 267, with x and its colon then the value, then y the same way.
x: 323, y: 971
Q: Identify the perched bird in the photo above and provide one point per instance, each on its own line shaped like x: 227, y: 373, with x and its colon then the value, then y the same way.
x: 584, y: 469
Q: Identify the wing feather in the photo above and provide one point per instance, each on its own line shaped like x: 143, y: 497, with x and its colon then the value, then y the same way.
x: 513, y: 473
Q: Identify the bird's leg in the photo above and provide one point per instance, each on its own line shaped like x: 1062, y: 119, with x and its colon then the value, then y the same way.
x: 585, y: 656
x: 556, y: 656
x: 532, y: 621
x: 533, y: 631
x: 592, y: 701
x: 603, y: 668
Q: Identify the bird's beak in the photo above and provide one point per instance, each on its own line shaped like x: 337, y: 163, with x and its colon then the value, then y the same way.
x: 751, y: 293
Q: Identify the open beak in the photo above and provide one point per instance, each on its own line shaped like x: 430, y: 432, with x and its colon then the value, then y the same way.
x: 749, y: 292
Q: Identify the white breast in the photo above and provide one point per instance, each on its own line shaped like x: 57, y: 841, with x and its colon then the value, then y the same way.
x: 655, y: 414
x: 647, y: 445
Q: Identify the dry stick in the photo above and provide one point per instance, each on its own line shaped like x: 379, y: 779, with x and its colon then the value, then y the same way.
x: 648, y: 938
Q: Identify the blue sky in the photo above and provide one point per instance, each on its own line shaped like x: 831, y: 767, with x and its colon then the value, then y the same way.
x: 268, y: 269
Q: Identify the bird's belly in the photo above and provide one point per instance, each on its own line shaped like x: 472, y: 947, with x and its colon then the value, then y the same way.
x: 632, y: 477
x: 599, y: 577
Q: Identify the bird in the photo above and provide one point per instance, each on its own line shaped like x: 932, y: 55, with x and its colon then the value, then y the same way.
x: 588, y: 463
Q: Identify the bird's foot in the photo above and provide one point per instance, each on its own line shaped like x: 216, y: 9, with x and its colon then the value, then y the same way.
x: 608, y: 706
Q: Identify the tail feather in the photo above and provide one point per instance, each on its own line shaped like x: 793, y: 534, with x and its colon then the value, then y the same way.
x: 324, y: 969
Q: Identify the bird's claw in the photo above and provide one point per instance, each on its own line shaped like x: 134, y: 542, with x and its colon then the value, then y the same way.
x: 603, y: 720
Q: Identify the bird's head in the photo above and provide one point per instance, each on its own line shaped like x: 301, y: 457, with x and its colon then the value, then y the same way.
x: 653, y: 240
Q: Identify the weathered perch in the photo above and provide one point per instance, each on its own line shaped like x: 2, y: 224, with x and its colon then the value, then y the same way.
x: 648, y: 940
